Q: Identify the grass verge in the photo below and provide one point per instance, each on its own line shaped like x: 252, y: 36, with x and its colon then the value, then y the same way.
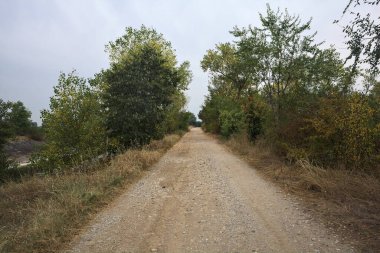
x: 347, y: 202
x: 41, y: 214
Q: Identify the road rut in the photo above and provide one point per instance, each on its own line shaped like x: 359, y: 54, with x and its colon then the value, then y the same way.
x: 201, y: 198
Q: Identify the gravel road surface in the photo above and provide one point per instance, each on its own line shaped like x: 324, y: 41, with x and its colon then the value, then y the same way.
x: 201, y: 198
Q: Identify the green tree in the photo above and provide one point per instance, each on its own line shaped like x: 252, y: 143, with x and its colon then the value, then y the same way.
x: 296, y: 95
x: 74, y: 124
x: 227, y: 68
x: 5, y: 133
x: 5, y: 125
x: 191, y: 119
x: 133, y: 37
x: 145, y: 85
x: 220, y: 113
x: 19, y: 118
x: 280, y: 52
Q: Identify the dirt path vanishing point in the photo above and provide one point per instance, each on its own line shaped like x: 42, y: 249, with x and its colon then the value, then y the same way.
x: 201, y: 198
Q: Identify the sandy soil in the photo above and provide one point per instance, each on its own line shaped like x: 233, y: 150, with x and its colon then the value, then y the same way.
x: 202, y: 198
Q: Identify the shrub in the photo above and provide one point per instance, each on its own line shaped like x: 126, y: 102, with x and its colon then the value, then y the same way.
x: 344, y: 132
x: 231, y: 122
x: 74, y: 124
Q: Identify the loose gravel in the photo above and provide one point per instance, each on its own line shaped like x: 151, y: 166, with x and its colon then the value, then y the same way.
x: 201, y: 198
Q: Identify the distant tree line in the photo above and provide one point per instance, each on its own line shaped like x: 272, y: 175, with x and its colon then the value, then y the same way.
x: 274, y: 82
x: 140, y: 97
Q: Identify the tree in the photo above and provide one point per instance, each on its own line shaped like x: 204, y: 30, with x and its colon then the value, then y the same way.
x: 279, y: 52
x: 5, y: 126
x: 220, y: 113
x: 133, y: 37
x: 192, y: 120
x: 5, y: 132
x: 363, y: 34
x: 227, y: 68
x: 74, y: 124
x: 296, y: 95
x: 145, y: 85
x: 19, y: 118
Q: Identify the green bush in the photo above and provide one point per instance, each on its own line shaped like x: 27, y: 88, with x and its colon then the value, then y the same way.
x: 231, y: 122
x: 74, y: 125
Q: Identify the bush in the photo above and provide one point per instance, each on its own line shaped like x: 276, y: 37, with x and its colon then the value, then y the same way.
x: 344, y: 132
x: 231, y: 122
x: 254, y: 111
x: 74, y: 125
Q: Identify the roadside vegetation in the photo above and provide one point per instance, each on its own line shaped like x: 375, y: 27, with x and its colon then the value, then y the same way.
x: 42, y: 213
x: 15, y: 121
x: 302, y: 115
x: 99, y: 135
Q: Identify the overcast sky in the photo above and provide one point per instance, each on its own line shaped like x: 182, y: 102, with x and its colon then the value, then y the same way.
x: 41, y: 38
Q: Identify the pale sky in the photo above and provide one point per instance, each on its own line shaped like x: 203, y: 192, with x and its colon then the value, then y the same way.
x: 41, y: 38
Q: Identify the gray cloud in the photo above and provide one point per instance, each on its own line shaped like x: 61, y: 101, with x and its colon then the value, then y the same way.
x: 40, y: 38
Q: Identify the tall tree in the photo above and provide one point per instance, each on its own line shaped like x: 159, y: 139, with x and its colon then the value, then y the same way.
x: 279, y: 51
x: 143, y: 81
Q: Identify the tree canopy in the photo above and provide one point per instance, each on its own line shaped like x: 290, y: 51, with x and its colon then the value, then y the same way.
x: 145, y: 84
x: 277, y: 83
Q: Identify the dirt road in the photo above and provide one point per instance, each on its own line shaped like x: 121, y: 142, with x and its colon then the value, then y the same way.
x: 202, y: 198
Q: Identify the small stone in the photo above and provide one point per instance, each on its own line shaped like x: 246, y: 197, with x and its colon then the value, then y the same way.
x: 153, y: 250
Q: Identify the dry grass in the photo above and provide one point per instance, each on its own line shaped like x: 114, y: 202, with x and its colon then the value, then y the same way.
x: 41, y: 214
x: 345, y: 201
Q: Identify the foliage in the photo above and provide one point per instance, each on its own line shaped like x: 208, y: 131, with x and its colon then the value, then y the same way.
x: 74, y: 124
x: 344, y: 132
x: 231, y: 122
x: 274, y: 81
x: 5, y: 126
x: 4, y: 164
x: 363, y: 34
x: 122, y: 46
x: 256, y: 112
x: 5, y: 133
x: 210, y: 113
x: 144, y: 87
x: 138, y: 98
x: 19, y: 118
x: 226, y: 68
x: 191, y: 119
x: 14, y: 120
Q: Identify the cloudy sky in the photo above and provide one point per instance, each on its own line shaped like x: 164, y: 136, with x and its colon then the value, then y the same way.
x: 41, y: 38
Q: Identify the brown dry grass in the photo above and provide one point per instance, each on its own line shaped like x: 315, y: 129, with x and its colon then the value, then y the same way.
x: 41, y: 214
x: 347, y: 202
